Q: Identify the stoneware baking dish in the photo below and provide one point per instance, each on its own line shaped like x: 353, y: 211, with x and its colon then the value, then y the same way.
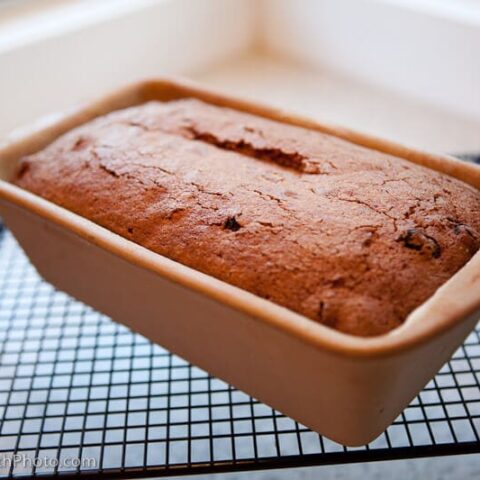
x: 347, y: 388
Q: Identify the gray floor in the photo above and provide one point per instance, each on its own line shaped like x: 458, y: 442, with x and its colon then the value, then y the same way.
x: 463, y: 467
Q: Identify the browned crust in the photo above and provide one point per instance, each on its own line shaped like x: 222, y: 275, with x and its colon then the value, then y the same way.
x: 334, y: 231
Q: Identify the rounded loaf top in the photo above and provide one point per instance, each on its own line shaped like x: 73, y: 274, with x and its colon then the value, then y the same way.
x: 347, y: 236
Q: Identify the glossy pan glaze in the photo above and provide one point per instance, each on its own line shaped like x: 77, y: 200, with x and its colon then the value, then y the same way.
x: 346, y: 388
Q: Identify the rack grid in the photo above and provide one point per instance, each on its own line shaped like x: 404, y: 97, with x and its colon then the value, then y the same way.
x: 81, y: 395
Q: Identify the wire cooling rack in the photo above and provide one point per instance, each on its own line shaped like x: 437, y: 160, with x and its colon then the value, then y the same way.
x: 81, y: 395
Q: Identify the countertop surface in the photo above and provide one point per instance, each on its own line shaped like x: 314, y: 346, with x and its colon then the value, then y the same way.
x: 342, y: 101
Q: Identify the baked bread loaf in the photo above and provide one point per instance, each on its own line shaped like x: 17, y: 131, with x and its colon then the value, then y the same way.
x: 347, y: 236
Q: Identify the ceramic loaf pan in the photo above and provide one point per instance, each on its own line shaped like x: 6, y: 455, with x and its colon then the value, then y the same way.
x: 347, y: 388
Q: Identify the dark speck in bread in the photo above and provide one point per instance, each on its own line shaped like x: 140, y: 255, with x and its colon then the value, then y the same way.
x: 416, y: 239
x: 232, y: 224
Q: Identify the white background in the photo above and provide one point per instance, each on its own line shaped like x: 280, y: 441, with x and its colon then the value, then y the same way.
x: 405, y: 69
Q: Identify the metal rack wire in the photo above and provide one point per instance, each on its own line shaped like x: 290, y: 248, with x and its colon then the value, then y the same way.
x: 85, y: 396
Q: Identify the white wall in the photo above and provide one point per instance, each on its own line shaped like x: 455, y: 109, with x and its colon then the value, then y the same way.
x: 428, y: 49
x: 44, y: 73
x: 425, y: 49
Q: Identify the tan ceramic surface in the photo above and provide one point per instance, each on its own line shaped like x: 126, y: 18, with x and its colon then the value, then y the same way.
x: 347, y: 388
